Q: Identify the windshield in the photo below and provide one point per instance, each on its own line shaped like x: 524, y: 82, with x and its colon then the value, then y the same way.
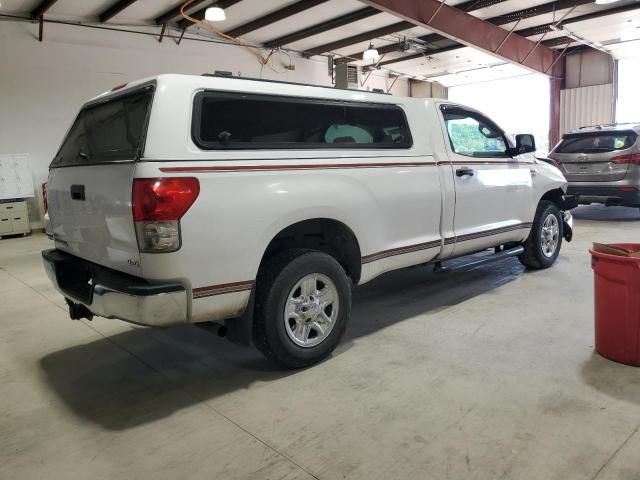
x: 597, y: 142
x: 112, y: 131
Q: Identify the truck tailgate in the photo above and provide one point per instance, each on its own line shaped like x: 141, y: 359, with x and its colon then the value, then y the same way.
x: 91, y: 216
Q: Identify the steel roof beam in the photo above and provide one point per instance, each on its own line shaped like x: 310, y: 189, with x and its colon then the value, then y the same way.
x: 361, y: 37
x: 471, y: 31
x: 42, y: 8
x: 541, y: 29
x: 500, y: 20
x: 175, y: 12
x: 323, y: 27
x: 274, y: 17
x: 115, y: 9
x: 468, y: 6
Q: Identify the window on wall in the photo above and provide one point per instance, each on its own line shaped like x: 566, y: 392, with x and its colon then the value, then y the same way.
x: 627, y: 110
x: 518, y: 105
x: 244, y: 121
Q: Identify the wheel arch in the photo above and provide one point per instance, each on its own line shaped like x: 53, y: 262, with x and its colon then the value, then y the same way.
x: 324, y: 234
x: 555, y: 196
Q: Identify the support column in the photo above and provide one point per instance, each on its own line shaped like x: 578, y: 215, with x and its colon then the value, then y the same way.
x: 556, y: 84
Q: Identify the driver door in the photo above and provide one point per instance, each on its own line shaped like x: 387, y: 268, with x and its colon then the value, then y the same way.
x: 494, y: 192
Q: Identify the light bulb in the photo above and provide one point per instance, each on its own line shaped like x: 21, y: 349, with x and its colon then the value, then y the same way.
x: 215, y: 14
x: 370, y: 53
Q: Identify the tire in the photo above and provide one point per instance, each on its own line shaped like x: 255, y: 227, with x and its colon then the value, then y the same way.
x: 303, y: 282
x: 543, y: 246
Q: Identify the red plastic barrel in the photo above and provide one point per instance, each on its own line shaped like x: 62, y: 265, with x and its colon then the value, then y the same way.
x: 617, y: 305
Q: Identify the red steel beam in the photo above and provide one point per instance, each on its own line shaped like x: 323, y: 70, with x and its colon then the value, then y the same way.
x: 556, y: 84
x: 457, y: 25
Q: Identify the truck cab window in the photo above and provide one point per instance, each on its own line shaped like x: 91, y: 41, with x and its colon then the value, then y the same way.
x: 473, y: 135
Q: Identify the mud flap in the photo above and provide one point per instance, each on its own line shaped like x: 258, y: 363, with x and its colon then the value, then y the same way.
x: 567, y: 226
x: 240, y: 330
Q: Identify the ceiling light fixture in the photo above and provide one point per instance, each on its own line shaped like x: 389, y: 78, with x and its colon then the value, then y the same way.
x: 370, y: 53
x: 605, y: 2
x: 215, y: 14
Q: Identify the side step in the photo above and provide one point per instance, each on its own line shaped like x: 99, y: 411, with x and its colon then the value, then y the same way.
x: 496, y: 257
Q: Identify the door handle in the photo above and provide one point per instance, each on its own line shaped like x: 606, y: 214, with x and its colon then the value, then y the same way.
x: 465, y: 172
x: 77, y: 192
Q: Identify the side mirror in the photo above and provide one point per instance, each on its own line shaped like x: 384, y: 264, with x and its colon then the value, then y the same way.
x: 525, y: 143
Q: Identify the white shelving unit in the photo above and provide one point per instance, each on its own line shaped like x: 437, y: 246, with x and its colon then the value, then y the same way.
x: 14, y: 218
x: 16, y: 184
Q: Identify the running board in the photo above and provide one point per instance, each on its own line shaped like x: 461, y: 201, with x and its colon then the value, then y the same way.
x: 496, y: 257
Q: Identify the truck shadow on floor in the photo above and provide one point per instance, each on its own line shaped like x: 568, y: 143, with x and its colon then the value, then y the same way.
x: 143, y: 375
x: 600, y: 213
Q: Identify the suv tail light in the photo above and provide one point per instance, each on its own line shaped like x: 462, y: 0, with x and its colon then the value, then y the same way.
x: 158, y: 205
x: 631, y: 158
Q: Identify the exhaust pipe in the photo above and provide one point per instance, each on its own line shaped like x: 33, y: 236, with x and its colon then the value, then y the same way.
x: 214, y: 327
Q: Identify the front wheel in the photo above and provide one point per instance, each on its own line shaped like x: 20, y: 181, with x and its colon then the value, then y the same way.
x: 303, y: 302
x: 542, y: 248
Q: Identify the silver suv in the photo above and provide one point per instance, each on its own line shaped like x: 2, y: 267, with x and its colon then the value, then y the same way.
x: 602, y: 164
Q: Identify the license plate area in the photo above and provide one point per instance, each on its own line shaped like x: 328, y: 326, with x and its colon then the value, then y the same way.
x: 594, y: 168
x: 75, y: 278
x: 585, y: 168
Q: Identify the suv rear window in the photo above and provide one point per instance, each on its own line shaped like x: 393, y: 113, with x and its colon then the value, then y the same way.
x: 245, y: 121
x: 597, y: 142
x: 110, y: 131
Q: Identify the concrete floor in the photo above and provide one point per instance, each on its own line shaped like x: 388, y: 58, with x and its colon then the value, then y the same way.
x: 488, y: 374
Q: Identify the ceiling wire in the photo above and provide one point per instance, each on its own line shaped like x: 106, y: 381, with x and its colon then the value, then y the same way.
x: 262, y: 59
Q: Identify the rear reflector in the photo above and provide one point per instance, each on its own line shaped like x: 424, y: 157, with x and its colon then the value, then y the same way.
x: 160, y: 199
x: 158, y: 206
x: 45, y: 200
x: 633, y: 158
x: 627, y: 189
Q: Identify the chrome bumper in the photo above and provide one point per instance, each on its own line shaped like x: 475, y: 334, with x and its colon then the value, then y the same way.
x: 111, y: 294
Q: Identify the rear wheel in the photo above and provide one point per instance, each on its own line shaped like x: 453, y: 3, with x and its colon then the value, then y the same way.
x: 542, y: 248
x: 303, y: 302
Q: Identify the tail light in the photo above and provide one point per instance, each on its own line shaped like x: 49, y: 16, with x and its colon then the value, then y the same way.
x: 45, y: 200
x: 631, y: 158
x: 158, y: 205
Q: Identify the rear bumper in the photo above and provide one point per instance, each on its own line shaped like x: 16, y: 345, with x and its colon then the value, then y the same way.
x: 608, y: 195
x: 111, y: 294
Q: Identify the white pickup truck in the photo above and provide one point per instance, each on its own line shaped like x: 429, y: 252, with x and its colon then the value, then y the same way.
x: 186, y: 199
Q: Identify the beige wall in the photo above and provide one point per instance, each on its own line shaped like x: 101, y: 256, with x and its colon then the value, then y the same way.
x: 588, y: 96
x: 421, y: 89
x: 43, y: 85
x: 588, y: 68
